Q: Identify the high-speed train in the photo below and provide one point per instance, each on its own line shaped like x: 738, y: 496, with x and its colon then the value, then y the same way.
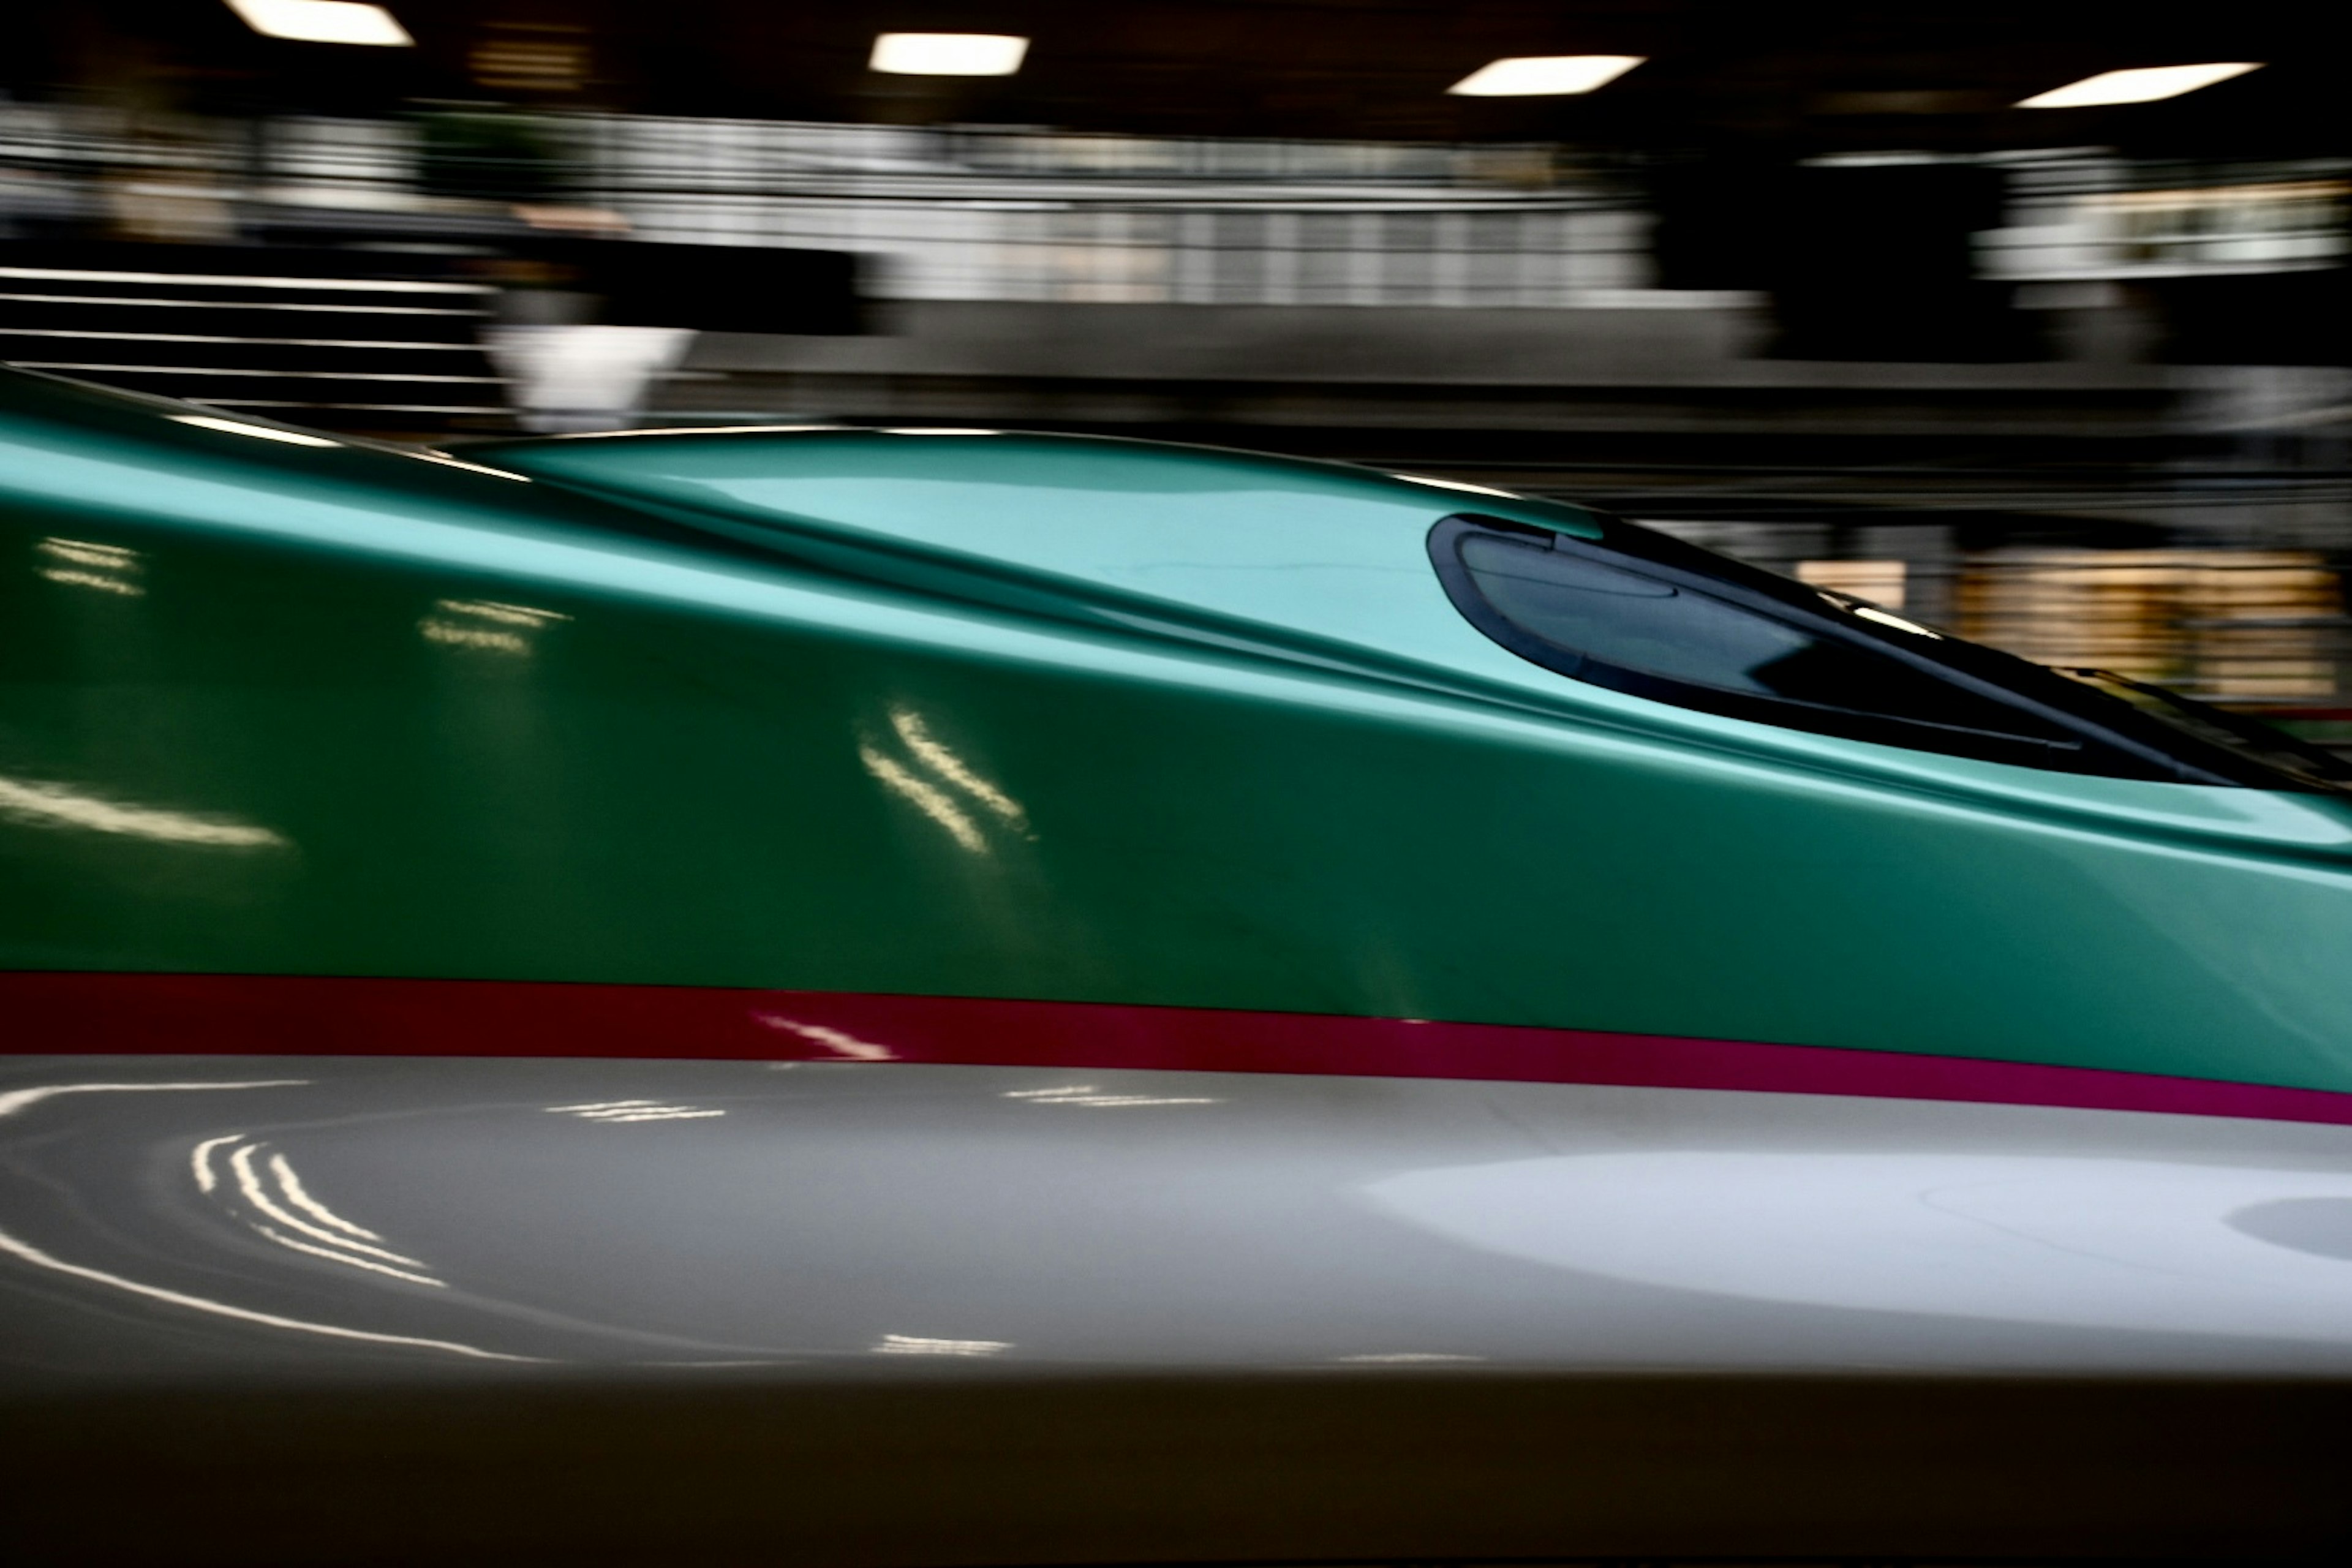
x: 934, y: 997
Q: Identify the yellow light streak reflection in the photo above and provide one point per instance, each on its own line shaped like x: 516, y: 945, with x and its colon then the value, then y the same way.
x: 1088, y: 1094
x: 200, y: 1160
x: 17, y: 1100
x: 845, y: 1044
x: 249, y: 1183
x: 26, y: 1252
x: 530, y: 616
x: 937, y: 783
x: 296, y: 1194
x: 60, y: 806
x: 926, y: 798
x: 461, y: 623
x: 948, y: 765
x: 86, y: 553
x: 613, y: 1111
x: 86, y: 563
x: 917, y: 1345
x: 73, y: 579
x: 290, y: 1243
x: 663, y: 1113
x: 452, y: 635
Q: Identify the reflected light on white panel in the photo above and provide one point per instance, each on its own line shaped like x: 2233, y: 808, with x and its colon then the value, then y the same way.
x: 17, y: 1100
x: 256, y: 1194
x: 26, y: 1252
x: 611, y: 1111
x: 1088, y: 1094
x: 2118, y: 1245
x: 917, y: 1344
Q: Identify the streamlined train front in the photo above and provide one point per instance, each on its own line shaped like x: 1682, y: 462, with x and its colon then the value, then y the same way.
x: 905, y: 996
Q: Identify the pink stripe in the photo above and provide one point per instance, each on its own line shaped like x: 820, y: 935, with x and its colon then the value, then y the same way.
x: 215, y: 1015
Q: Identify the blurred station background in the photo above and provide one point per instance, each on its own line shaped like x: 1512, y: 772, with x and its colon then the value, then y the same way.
x: 1921, y: 302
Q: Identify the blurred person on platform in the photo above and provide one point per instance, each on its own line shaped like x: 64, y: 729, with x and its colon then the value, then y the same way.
x: 566, y: 369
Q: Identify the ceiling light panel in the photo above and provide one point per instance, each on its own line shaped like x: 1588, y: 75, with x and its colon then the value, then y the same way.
x: 2143, y: 86
x: 322, y: 21
x: 1544, y: 75
x: 948, y: 54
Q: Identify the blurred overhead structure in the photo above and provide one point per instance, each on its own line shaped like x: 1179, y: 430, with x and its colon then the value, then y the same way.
x: 1801, y: 78
x: 2016, y: 309
x: 1727, y: 101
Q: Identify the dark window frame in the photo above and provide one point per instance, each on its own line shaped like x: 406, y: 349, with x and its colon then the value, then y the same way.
x: 2081, y: 731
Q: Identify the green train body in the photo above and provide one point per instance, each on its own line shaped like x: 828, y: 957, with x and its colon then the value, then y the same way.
x: 1030, y: 717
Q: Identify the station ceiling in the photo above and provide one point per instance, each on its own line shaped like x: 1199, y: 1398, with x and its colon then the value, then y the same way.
x: 1807, y: 76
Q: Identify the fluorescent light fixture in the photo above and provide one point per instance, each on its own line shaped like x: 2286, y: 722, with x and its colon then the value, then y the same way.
x: 948, y: 54
x: 1544, y: 75
x: 322, y: 21
x: 2143, y: 86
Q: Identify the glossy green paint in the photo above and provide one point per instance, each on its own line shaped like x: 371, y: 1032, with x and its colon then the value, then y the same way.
x: 1026, y: 717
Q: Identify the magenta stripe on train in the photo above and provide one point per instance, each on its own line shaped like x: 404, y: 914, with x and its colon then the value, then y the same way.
x: 228, y: 1015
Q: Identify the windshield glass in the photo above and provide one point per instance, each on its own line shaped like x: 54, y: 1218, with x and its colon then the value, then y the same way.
x: 1647, y: 614
x: 2218, y: 726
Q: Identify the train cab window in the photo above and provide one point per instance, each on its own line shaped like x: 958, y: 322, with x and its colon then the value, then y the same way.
x: 1638, y: 612
x: 1598, y: 613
